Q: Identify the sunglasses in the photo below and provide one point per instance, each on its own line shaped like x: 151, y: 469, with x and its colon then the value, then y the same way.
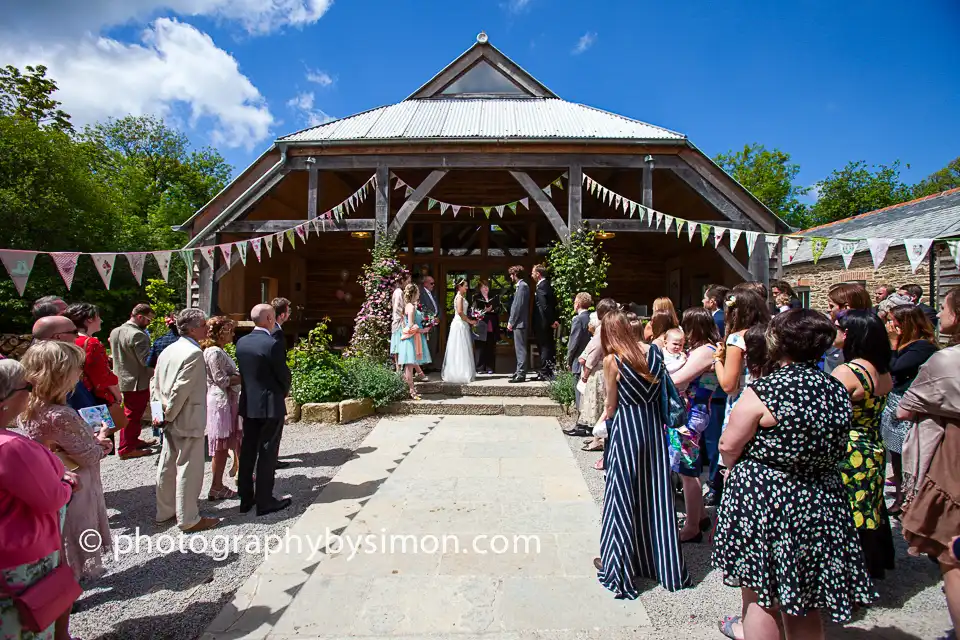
x: 27, y: 387
x: 75, y: 332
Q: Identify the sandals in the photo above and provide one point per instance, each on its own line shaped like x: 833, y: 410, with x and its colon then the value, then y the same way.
x: 726, y: 626
x: 598, y: 465
x: 590, y: 447
x: 415, y: 396
x: 224, y: 493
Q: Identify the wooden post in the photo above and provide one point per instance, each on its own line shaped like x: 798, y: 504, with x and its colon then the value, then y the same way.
x: 418, y: 194
x: 647, y: 198
x: 575, y: 197
x: 537, y: 195
x: 383, y: 199
x: 312, y: 190
x: 205, y: 280
x: 760, y: 263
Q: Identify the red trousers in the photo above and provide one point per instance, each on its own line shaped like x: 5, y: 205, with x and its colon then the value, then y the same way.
x: 134, y: 404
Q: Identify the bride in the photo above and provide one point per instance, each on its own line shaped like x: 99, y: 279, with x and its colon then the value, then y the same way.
x: 458, y: 364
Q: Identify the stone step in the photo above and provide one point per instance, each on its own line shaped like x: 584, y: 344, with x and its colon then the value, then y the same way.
x: 438, y: 404
x: 486, y: 385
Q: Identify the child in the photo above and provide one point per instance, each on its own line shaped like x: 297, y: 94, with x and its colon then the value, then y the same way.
x: 673, y: 356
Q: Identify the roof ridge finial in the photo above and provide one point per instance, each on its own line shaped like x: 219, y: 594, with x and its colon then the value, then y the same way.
x: 482, y: 37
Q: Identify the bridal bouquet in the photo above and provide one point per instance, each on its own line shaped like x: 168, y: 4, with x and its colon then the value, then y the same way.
x: 430, y: 321
x: 475, y: 314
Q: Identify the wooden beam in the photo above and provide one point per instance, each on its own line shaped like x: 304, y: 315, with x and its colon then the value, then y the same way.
x: 575, y: 197
x: 312, y: 191
x: 639, y: 226
x: 647, y: 197
x: 760, y: 263
x: 557, y: 161
x: 538, y: 196
x: 415, y: 198
x: 238, y: 208
x: 205, y: 280
x: 383, y: 199
x: 738, y: 197
x: 275, y: 226
x: 224, y: 269
x: 710, y: 193
x: 735, y: 264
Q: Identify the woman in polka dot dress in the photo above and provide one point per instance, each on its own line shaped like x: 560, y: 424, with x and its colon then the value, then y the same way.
x: 785, y: 532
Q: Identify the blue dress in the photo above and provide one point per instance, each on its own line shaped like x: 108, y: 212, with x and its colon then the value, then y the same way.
x: 406, y: 351
x: 638, y: 535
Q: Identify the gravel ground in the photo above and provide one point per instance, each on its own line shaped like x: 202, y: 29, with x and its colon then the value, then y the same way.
x: 151, y: 595
x: 911, y: 604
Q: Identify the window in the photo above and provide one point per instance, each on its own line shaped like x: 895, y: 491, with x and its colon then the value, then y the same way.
x: 268, y: 289
x: 803, y: 293
x: 482, y: 79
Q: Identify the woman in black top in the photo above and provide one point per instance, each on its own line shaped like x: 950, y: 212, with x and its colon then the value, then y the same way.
x: 487, y: 331
x: 913, y: 341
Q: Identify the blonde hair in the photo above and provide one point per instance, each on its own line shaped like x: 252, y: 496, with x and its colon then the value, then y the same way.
x: 666, y: 304
x: 53, y: 369
x: 583, y: 300
x: 410, y: 293
x: 218, y: 327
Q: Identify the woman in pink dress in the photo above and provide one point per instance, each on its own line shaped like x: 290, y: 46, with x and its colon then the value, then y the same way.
x: 223, y: 394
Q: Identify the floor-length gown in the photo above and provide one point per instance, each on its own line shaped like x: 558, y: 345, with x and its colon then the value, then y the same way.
x: 639, y: 535
x: 458, y: 363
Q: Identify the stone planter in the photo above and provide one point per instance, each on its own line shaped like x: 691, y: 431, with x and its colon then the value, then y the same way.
x: 293, y: 411
x: 325, y: 412
x: 351, y: 410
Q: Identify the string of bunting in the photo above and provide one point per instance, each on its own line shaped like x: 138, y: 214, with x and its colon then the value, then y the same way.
x: 19, y: 263
x: 917, y: 248
x: 487, y: 210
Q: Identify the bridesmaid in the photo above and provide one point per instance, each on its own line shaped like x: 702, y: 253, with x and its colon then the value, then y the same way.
x: 412, y: 351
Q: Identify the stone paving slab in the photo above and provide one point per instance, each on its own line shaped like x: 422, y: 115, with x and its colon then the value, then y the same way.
x: 437, y: 404
x: 486, y: 385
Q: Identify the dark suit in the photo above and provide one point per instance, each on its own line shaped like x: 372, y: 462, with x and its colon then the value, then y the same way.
x: 433, y: 307
x: 929, y: 312
x: 280, y: 337
x: 518, y: 320
x: 264, y: 383
x: 544, y: 315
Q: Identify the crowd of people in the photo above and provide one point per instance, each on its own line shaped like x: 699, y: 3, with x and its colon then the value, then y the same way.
x: 202, y: 402
x: 789, y: 417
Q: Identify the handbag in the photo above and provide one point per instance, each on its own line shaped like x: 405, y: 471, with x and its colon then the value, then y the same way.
x: 673, y: 404
x: 600, y: 429
x: 40, y: 604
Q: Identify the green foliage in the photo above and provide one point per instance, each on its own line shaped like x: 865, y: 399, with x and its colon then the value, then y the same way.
x: 942, y: 180
x: 317, y: 385
x: 317, y: 372
x: 161, y: 297
x: 372, y: 327
x: 563, y: 388
x: 231, y: 350
x: 580, y: 265
x: 30, y: 96
x: 365, y: 378
x: 769, y: 175
x: 858, y: 188
x: 313, y: 352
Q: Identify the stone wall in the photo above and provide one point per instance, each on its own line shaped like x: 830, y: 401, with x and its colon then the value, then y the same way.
x: 820, y: 277
x: 14, y: 345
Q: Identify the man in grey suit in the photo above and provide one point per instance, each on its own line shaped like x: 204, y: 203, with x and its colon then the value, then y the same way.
x: 519, y: 311
x: 428, y: 300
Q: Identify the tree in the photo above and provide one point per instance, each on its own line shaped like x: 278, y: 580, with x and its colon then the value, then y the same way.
x: 858, y: 188
x: 575, y: 266
x: 29, y: 96
x: 942, y: 180
x: 769, y: 175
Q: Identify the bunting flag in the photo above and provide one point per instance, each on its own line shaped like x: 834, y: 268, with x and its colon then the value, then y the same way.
x: 954, y: 247
x: 546, y: 190
x: 704, y: 233
x: 456, y: 209
x: 268, y: 241
x: 227, y: 250
x: 317, y: 222
x: 513, y: 206
x: 280, y: 239
x: 242, y: 250
x: 878, y: 250
x: 679, y: 226
x: 751, y: 241
x: 772, y: 242
x: 735, y: 238
x: 400, y: 183
x: 847, y: 250
x: 525, y: 202
x: 187, y: 256
x: 917, y: 249
x: 208, y: 254
x: 817, y: 247
x: 301, y: 232
x: 618, y: 200
x: 691, y: 229
x: 66, y: 262
x: 409, y: 191
x: 443, y: 207
x: 793, y: 245
x: 431, y: 203
x: 668, y: 223
x: 255, y: 243
x: 718, y: 236
x: 104, y: 263
x: 659, y: 218
x: 486, y: 212
x: 163, y: 261
x: 558, y: 183
x: 19, y: 264
x: 291, y: 238
x: 500, y: 208
x: 136, y: 261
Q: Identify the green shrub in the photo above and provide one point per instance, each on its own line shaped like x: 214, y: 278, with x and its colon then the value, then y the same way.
x: 316, y: 372
x: 318, y: 385
x: 364, y: 378
x: 231, y: 350
x: 161, y: 297
x: 563, y: 388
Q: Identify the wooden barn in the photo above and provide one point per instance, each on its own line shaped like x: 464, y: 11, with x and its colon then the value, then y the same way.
x: 477, y: 139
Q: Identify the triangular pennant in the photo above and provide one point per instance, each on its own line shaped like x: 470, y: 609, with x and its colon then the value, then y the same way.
x: 500, y: 208
x: 718, y: 236
x: 513, y: 206
x: 280, y: 240
x: 255, y: 243
x: 817, y: 247
x: 618, y: 200
x: 486, y: 211
x: 954, y: 247
x: 208, y: 254
x: 268, y: 241
x: 669, y: 223
x: 242, y: 250
x: 187, y: 256
x: 443, y: 207
x: 547, y: 191
x: 610, y: 196
x: 633, y: 208
x: 680, y: 226
x: 227, y: 250
x: 593, y: 187
x: 704, y: 233
x: 525, y: 202
x: 847, y: 250
x: 792, y: 246
x: 291, y: 238
x: 301, y: 230
x: 19, y: 264
x: 558, y: 184
x: 649, y: 215
x: 659, y: 218
x: 400, y: 183
x: 456, y: 209
x: 692, y: 229
x: 136, y: 261
x: 409, y: 191
x: 66, y: 262
x: 772, y: 242
x: 104, y: 263
x: 878, y: 250
x: 626, y: 205
x: 734, y: 238
x: 431, y: 203
x: 917, y: 249
x: 316, y: 224
x: 751, y: 241
x: 163, y: 261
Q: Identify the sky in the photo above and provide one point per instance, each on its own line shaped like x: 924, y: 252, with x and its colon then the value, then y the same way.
x: 827, y: 82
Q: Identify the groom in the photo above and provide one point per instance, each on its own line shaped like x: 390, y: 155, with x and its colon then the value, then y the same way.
x: 517, y: 323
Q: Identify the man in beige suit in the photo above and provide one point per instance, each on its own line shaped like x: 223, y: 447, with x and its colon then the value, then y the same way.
x: 130, y: 346
x: 180, y: 385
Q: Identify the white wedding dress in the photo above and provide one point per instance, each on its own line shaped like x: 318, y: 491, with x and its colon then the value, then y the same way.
x: 458, y: 362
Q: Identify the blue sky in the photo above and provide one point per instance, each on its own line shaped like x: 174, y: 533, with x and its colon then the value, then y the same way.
x: 827, y: 82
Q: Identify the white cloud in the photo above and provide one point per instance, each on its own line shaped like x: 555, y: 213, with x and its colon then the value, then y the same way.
x: 176, y: 66
x: 45, y: 19
x: 585, y: 42
x: 516, y: 6
x: 321, y: 78
x: 303, y: 103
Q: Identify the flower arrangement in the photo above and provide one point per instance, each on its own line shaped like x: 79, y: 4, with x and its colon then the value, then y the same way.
x: 372, y: 327
x: 575, y: 266
x: 430, y: 321
x: 475, y: 314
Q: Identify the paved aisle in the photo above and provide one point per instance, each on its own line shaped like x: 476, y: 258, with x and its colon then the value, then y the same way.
x: 444, y: 480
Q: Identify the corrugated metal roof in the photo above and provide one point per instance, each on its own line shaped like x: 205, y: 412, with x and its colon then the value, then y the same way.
x: 484, y: 118
x: 935, y: 216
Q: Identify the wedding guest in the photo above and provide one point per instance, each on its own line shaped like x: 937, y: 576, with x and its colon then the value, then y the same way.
x: 591, y: 375
x: 756, y: 287
x: 932, y: 517
x: 34, y: 491
x: 912, y: 342
x: 48, y: 306
x: 130, y: 346
x: 396, y: 322
x: 865, y: 373
x: 414, y: 350
x: 283, y: 310
x: 885, y: 308
x: 163, y: 341
x: 664, y: 309
x: 745, y: 308
x: 784, y: 534
x: 697, y: 382
x: 52, y: 369
x: 639, y: 537
x: 882, y: 292
x: 517, y: 323
x: 223, y: 394
x: 488, y: 329
x: 545, y: 322
x: 264, y: 384
x: 431, y: 306
x: 713, y: 301
x: 915, y: 293
x: 63, y: 330
x: 180, y: 386
x: 846, y: 296
x: 782, y: 290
